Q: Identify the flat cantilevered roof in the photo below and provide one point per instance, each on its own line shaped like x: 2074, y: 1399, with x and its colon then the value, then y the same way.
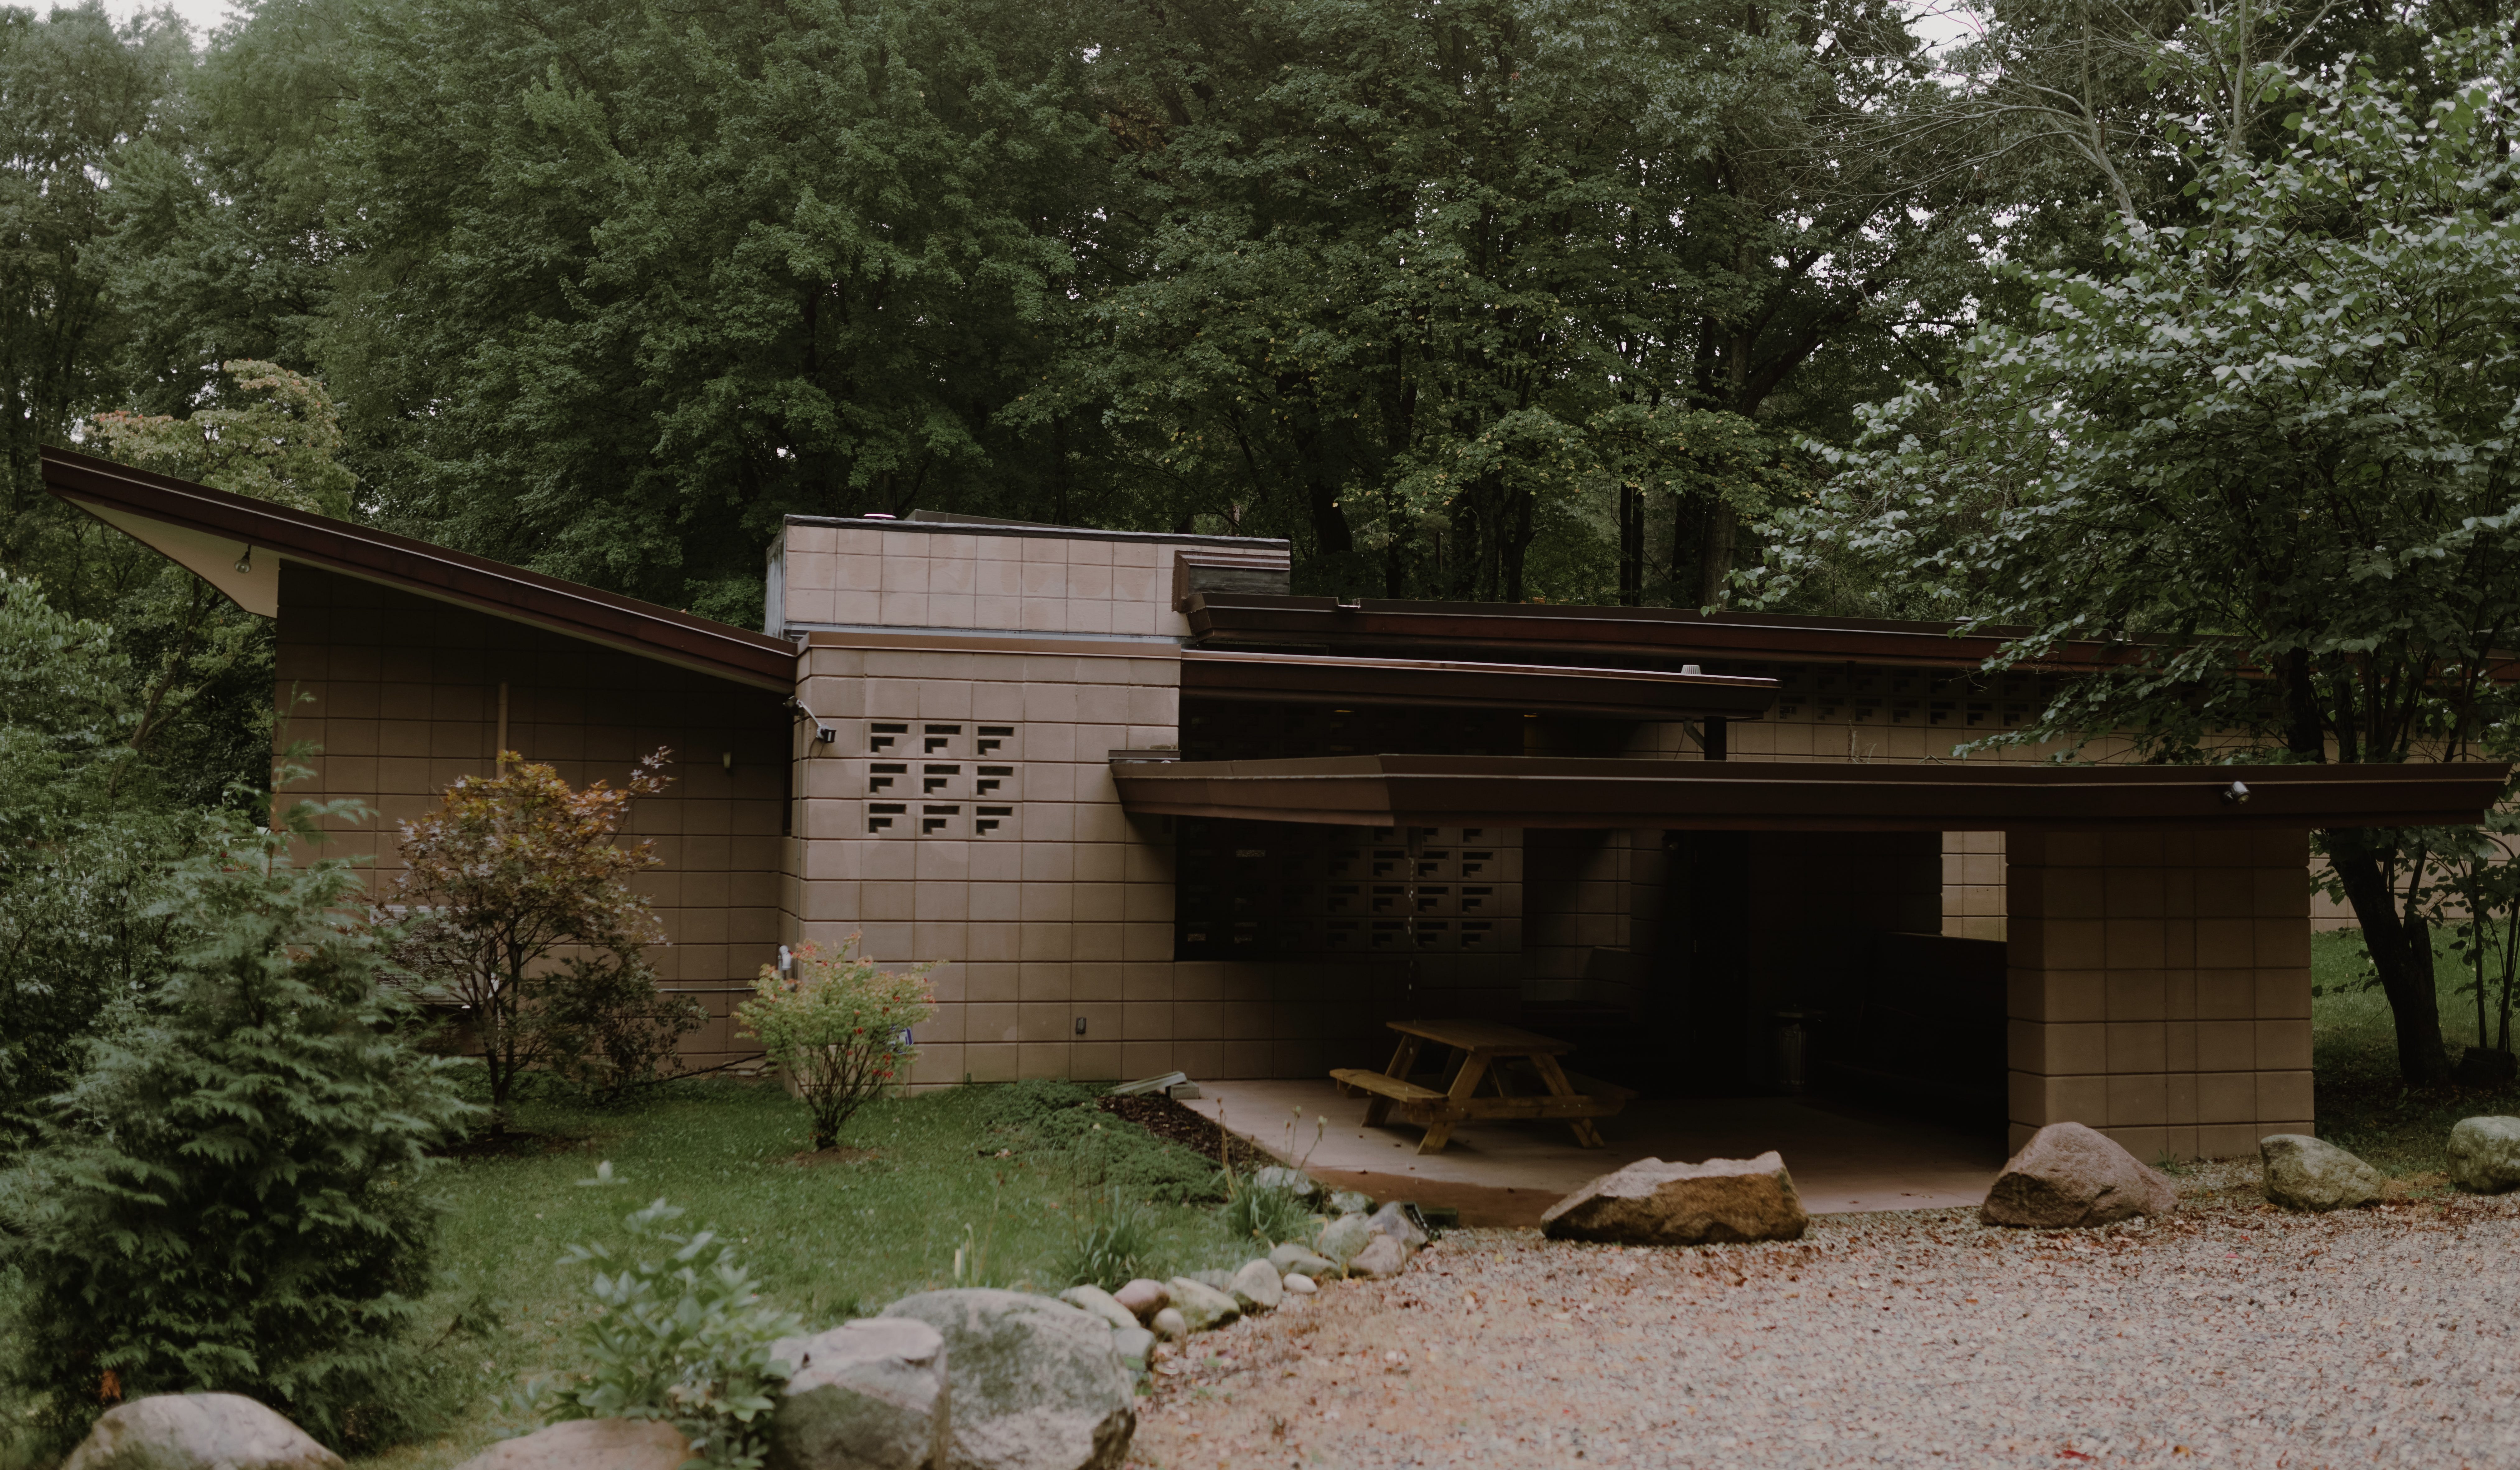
x: 1404, y: 627
x: 1548, y: 791
x: 1615, y: 694
x: 237, y: 543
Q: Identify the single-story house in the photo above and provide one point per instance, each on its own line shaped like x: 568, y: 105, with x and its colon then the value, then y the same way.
x: 1155, y: 813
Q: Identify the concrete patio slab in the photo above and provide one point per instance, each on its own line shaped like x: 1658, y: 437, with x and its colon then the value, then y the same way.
x: 1843, y: 1158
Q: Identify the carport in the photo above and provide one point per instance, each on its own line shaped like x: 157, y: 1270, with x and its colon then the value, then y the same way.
x: 2156, y: 981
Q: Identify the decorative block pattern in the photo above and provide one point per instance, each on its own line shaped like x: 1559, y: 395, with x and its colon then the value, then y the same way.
x: 2159, y: 988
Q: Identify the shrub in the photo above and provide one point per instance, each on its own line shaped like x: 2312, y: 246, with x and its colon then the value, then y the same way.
x: 507, y: 874
x: 836, y: 1025
x: 683, y: 1338
x: 227, y: 1199
x: 1268, y: 1214
x: 1113, y: 1246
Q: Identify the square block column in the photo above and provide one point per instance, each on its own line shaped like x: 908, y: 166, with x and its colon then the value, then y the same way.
x: 2159, y: 987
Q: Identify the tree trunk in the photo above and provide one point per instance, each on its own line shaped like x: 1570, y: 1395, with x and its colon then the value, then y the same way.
x: 2402, y: 952
x: 1715, y: 556
x: 1631, y: 545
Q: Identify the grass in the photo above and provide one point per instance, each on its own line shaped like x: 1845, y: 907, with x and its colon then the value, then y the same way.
x: 2362, y: 1104
x: 1012, y: 1178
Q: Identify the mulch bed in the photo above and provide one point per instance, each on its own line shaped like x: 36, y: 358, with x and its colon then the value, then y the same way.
x: 1166, y: 1119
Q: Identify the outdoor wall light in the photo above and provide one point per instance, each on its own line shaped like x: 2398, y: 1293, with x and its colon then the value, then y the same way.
x: 823, y: 733
x: 2236, y: 793
x: 727, y: 760
x: 1080, y: 1025
x: 244, y: 563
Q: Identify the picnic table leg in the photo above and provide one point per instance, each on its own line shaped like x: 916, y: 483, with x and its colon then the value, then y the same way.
x: 1586, y: 1135
x: 1464, y: 1082
x: 1377, y: 1108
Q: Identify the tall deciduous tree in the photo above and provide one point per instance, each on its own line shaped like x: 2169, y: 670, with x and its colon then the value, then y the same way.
x: 1385, y: 269
x: 79, y: 98
x: 629, y: 282
x: 2274, y: 455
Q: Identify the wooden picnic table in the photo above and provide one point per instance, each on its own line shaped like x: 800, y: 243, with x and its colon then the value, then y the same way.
x: 1483, y: 1052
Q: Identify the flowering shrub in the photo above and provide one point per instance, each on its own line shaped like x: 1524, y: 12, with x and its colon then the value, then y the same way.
x: 836, y: 1025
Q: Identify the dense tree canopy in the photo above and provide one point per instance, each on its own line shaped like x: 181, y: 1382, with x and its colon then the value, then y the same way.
x: 2272, y: 451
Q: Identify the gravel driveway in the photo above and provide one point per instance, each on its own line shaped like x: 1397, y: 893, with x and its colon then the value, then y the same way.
x: 2227, y: 1334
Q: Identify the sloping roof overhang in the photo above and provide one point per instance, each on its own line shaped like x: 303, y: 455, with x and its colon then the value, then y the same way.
x: 1616, y: 693
x: 1624, y: 635
x: 1542, y: 792
x: 209, y: 532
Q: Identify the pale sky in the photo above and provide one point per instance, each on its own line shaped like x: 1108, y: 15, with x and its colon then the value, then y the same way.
x: 204, y: 16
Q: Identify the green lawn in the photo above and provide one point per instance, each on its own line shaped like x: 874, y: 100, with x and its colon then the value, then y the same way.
x: 829, y: 1240
x: 2362, y: 1104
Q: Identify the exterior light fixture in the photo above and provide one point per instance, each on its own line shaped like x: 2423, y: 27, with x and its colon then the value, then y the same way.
x: 2236, y: 793
x: 1692, y: 669
x: 824, y: 734
x: 244, y: 563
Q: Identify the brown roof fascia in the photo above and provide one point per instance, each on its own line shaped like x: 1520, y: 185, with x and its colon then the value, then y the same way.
x: 1052, y: 644
x: 1541, y: 791
x: 1662, y: 632
x: 432, y: 571
x: 1538, y: 689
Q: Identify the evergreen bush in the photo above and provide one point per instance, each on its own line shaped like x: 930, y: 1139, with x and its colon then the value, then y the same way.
x: 228, y: 1198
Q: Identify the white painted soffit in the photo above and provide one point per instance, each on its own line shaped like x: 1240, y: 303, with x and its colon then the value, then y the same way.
x: 249, y: 578
x: 257, y: 589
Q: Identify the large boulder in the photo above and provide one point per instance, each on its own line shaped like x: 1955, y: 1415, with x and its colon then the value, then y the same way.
x: 1257, y: 1287
x: 589, y: 1445
x: 2068, y: 1174
x: 1202, y: 1305
x: 1285, y: 1180
x: 1038, y: 1384
x: 1102, y: 1304
x: 1344, y: 1237
x: 1145, y: 1298
x: 1395, y: 1220
x: 869, y: 1395
x: 2303, y: 1173
x: 1296, y: 1261
x: 1653, y: 1203
x: 2485, y: 1154
x: 1383, y: 1257
x: 200, y: 1432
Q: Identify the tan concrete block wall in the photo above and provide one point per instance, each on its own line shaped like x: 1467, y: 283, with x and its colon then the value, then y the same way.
x: 1064, y: 912
x: 1973, y: 887
x: 911, y: 576
x: 401, y: 694
x: 2160, y: 988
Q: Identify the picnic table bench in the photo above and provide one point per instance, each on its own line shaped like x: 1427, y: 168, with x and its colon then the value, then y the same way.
x: 1489, y: 1053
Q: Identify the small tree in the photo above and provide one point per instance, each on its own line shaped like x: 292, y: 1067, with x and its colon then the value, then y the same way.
x: 507, y: 877
x: 836, y: 1027
x: 225, y: 1199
